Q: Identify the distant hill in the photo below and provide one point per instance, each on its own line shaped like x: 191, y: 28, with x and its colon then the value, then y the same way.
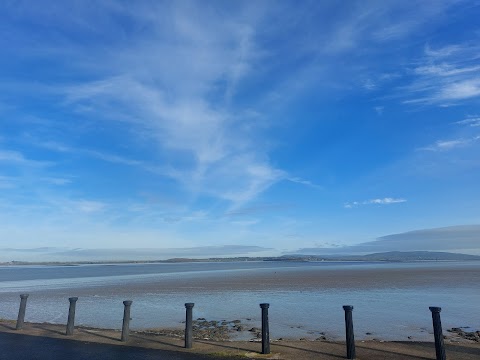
x: 387, y: 256
x: 384, y: 256
x: 419, y: 255
x: 393, y: 256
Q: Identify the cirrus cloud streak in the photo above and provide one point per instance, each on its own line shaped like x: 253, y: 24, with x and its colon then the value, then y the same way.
x: 379, y: 201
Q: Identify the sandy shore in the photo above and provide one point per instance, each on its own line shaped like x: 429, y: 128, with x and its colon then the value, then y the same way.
x: 287, y: 278
x: 172, y: 340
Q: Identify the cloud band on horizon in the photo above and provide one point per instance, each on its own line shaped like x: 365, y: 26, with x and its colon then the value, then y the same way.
x: 452, y: 238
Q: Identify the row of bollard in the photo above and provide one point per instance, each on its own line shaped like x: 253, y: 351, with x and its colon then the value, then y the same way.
x: 437, y: 332
x: 349, y: 335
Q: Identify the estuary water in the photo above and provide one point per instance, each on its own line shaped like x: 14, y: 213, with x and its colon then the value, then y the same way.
x: 390, y: 300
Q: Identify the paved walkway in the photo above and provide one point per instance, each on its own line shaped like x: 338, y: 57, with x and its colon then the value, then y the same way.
x: 27, y: 347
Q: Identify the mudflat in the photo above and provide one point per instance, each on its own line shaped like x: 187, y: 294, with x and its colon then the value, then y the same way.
x: 301, y: 278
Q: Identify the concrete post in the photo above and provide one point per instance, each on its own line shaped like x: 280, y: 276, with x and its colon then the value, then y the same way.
x: 71, y: 315
x: 265, y: 329
x: 437, y: 331
x: 188, y: 325
x: 350, y: 339
x: 21, y: 311
x: 126, y: 320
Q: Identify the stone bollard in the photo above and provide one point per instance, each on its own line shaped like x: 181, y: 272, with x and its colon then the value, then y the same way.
x: 188, y: 325
x: 21, y: 311
x: 126, y: 320
x: 265, y: 329
x: 350, y: 339
x: 71, y: 315
x: 437, y: 331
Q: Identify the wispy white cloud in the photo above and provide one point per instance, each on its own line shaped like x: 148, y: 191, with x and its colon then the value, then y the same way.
x: 446, y: 145
x: 379, y: 201
x: 12, y: 156
x: 57, y: 180
x: 7, y: 182
x: 379, y: 109
x: 102, y: 155
x: 467, y: 136
x: 444, y: 51
x: 88, y: 206
x: 459, y: 90
x: 445, y: 76
x: 472, y: 121
x: 220, y: 156
x: 301, y: 181
x: 444, y: 70
x: 223, y: 180
x: 369, y: 84
x: 382, y: 22
x: 450, y: 144
x: 257, y: 209
x: 18, y: 158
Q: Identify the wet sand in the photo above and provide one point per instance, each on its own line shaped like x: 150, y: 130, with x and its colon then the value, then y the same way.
x: 302, y: 278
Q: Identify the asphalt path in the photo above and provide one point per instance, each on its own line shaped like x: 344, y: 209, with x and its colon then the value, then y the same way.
x: 27, y: 347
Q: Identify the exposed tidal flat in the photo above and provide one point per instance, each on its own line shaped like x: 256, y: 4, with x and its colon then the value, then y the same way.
x: 390, y: 300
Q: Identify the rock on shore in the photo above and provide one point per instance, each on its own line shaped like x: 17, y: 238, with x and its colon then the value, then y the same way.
x: 206, y: 330
x: 468, y: 335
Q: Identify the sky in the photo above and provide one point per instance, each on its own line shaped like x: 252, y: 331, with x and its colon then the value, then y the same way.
x: 229, y: 128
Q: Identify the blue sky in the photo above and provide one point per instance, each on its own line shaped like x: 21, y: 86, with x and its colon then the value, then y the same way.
x: 257, y: 127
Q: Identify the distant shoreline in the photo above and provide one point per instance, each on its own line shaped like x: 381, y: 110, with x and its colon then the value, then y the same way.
x: 389, y: 257
x: 132, y: 262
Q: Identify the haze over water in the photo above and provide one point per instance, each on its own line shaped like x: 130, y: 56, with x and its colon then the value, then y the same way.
x: 390, y: 300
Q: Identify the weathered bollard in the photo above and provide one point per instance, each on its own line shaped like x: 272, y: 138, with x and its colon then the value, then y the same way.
x: 265, y: 329
x: 350, y: 339
x: 188, y: 325
x: 437, y: 331
x: 126, y: 320
x: 21, y: 311
x: 71, y: 316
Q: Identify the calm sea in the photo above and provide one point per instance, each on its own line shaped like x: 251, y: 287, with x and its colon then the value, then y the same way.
x: 390, y: 300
